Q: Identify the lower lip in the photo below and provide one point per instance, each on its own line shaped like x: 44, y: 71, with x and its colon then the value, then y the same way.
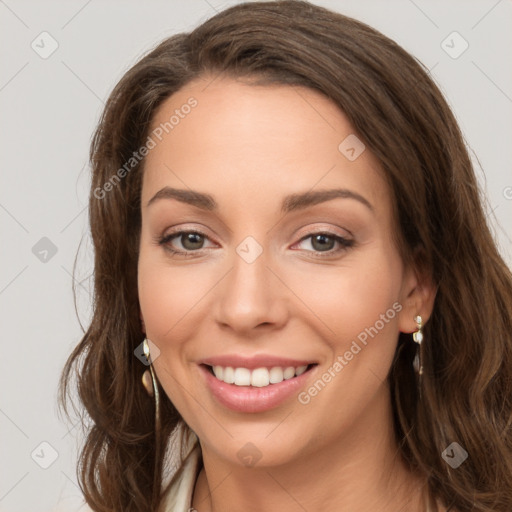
x: 253, y: 399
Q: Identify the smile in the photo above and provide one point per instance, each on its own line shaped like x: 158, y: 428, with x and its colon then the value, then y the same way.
x: 259, y: 377
x: 256, y: 384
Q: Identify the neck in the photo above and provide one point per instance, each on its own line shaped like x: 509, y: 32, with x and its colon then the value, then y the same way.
x: 359, y: 470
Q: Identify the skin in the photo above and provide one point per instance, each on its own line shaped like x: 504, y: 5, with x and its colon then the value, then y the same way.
x: 250, y: 146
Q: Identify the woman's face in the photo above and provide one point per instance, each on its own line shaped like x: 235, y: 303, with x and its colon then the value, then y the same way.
x: 282, y: 228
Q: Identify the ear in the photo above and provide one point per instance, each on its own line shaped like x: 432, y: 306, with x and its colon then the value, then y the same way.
x: 417, y: 295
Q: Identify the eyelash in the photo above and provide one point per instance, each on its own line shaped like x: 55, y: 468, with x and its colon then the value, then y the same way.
x: 344, y: 243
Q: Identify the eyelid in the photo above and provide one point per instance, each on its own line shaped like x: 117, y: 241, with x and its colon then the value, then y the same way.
x: 327, y: 229
x: 186, y: 228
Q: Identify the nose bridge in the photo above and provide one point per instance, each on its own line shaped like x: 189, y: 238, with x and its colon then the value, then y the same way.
x: 250, y: 295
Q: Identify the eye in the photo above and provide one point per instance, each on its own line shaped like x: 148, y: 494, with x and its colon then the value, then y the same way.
x: 190, y: 241
x: 321, y: 244
x: 325, y: 242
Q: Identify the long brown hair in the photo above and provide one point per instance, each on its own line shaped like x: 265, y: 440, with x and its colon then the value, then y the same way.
x: 405, y: 122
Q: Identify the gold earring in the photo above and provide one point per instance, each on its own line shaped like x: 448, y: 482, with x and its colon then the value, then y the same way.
x: 147, y: 383
x: 418, y: 338
x: 150, y: 383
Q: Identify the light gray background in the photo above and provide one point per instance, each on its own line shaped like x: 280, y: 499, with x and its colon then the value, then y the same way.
x: 49, y: 110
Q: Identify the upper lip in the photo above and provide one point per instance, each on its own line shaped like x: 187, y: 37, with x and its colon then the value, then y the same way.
x: 256, y: 361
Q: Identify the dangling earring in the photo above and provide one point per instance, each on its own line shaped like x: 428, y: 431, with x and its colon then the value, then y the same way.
x: 147, y: 383
x: 150, y: 383
x: 418, y: 338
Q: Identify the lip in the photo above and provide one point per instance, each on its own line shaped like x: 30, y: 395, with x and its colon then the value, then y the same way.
x: 253, y: 362
x: 249, y: 399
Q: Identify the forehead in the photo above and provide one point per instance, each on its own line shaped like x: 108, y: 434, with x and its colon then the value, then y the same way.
x: 255, y: 142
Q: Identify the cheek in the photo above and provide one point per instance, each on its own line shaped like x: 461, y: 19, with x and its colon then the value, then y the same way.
x: 359, y: 304
x: 352, y: 298
x: 168, y: 295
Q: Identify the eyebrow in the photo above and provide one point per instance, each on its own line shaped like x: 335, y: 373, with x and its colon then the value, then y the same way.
x: 292, y: 202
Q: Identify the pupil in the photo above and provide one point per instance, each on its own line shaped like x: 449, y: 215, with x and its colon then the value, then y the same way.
x: 322, y: 239
x: 191, y: 241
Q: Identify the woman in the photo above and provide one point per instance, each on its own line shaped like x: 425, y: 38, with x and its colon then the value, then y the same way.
x: 291, y: 253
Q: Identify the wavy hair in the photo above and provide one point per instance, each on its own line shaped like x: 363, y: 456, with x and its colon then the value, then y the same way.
x: 403, y: 119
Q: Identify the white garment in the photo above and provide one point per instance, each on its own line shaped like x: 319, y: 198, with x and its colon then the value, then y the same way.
x: 179, y: 492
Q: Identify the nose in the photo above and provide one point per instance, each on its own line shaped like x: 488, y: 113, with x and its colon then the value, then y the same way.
x: 251, y: 298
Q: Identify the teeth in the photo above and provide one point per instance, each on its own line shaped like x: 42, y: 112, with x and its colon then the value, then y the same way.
x: 242, y: 377
x: 228, y: 375
x: 219, y: 372
x: 289, y: 372
x: 259, y: 377
x: 276, y: 375
x: 300, y: 370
